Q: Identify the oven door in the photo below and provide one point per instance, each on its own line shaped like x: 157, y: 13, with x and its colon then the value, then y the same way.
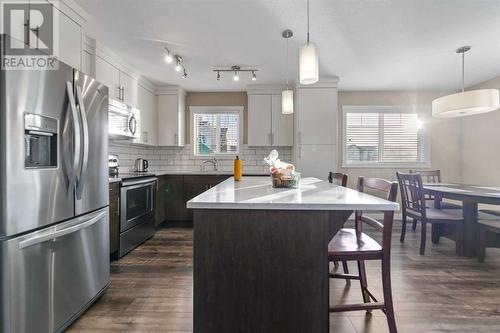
x: 137, y: 202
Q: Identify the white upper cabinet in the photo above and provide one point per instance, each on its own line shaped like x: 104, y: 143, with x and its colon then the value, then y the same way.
x: 317, y: 115
x: 70, y: 41
x: 129, y: 86
x: 259, y: 120
x: 171, y: 117
x: 282, y: 124
x: 267, y: 126
x: 108, y: 75
x: 146, y: 103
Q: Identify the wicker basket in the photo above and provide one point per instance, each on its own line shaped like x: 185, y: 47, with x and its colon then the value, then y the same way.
x: 281, y: 181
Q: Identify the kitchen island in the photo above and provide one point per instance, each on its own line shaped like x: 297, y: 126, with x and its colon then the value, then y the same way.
x: 260, y: 253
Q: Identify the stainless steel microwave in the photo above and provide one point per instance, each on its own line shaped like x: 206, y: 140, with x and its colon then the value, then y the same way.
x: 124, y: 121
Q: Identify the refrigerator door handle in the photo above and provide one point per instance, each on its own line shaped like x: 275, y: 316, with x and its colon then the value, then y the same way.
x: 77, y: 134
x: 59, y: 233
x: 86, y: 143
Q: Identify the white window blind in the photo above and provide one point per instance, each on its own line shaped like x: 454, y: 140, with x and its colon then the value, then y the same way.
x: 391, y: 136
x: 216, y: 133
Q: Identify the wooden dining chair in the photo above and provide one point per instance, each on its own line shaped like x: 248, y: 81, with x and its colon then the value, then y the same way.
x: 340, y: 179
x: 355, y: 245
x: 434, y: 176
x: 444, y: 222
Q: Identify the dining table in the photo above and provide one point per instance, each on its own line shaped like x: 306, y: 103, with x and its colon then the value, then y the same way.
x: 470, y: 196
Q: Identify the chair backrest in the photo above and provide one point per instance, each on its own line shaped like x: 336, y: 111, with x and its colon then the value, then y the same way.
x: 338, y: 178
x: 390, y: 191
x: 429, y: 176
x: 412, y: 194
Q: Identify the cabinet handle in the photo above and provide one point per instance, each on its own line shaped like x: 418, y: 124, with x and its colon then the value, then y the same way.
x: 300, y: 152
x: 123, y: 93
x: 119, y: 93
x: 300, y: 137
x: 269, y: 138
x: 175, y: 139
x: 272, y: 138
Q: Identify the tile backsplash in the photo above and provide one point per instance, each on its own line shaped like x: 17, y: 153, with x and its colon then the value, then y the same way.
x: 182, y: 158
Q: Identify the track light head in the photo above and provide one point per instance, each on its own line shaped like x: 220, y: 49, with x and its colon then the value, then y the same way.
x: 218, y: 76
x: 184, y: 75
x: 168, y: 58
x: 236, y: 77
x: 254, y: 77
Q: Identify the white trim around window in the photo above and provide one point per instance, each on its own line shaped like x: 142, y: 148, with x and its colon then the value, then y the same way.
x: 373, y: 137
x: 217, y: 110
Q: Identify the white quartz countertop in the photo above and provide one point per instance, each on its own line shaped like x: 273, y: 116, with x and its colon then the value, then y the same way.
x: 313, y: 194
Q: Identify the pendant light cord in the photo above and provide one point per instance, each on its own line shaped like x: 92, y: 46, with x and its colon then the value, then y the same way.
x: 307, y: 21
x: 463, y: 71
x: 286, y: 71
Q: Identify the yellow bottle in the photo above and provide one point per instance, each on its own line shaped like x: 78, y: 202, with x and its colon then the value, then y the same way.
x: 238, y: 168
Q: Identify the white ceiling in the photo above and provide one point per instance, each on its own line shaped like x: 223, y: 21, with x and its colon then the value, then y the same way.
x: 369, y: 44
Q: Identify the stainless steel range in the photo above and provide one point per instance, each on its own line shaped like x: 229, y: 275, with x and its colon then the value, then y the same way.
x: 54, y: 229
x: 137, y: 210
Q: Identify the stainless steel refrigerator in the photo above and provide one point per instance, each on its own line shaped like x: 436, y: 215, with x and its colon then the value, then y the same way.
x: 54, y: 243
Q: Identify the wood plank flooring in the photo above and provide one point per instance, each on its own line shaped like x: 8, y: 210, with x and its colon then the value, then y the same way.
x: 151, y: 290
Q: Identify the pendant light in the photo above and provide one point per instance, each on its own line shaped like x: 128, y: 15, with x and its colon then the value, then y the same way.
x: 287, y: 94
x: 466, y: 103
x: 309, y: 69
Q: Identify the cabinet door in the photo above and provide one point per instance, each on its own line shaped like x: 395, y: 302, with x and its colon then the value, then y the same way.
x: 168, y: 122
x: 130, y: 87
x: 173, y: 198
x: 259, y: 120
x: 87, y: 63
x: 108, y: 75
x: 317, y: 115
x: 316, y: 160
x: 70, y: 41
x: 146, y: 104
x: 114, y: 217
x: 282, y: 124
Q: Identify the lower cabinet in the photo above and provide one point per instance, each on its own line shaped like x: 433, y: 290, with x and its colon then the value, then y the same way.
x: 174, y: 191
x: 114, y: 217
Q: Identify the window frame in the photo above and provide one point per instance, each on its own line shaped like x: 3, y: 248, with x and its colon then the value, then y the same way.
x: 423, y: 113
x: 216, y: 110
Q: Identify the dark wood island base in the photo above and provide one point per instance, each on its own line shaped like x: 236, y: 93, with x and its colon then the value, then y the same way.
x: 262, y: 270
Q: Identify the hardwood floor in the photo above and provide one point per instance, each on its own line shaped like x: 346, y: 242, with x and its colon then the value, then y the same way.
x: 151, y: 290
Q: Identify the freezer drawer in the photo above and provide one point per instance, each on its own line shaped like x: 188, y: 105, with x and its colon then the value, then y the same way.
x: 50, y: 275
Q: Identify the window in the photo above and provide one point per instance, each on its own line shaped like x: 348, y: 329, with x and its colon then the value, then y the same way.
x: 216, y: 130
x: 384, y: 136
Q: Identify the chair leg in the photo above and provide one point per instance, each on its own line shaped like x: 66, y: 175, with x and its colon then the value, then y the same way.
x: 363, y: 282
x: 346, y: 271
x: 481, y: 244
x: 435, y: 233
x: 459, y: 239
x: 423, y: 237
x: 403, y: 229
x: 386, y: 285
x: 414, y: 225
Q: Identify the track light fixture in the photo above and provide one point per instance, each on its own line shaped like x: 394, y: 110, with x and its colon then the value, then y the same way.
x: 236, y: 70
x: 169, y: 58
x: 178, y: 67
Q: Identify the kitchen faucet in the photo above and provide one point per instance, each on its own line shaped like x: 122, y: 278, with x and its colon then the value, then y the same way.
x: 214, y: 162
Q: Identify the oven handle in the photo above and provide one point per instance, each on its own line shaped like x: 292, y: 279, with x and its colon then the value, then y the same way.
x: 139, y: 183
